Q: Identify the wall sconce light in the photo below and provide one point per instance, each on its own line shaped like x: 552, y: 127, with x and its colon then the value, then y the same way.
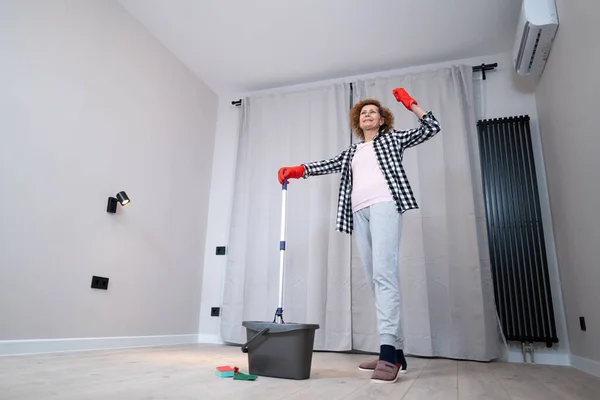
x: 112, y: 202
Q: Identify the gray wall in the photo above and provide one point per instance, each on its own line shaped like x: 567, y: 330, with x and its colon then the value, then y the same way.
x: 91, y: 104
x: 568, y: 105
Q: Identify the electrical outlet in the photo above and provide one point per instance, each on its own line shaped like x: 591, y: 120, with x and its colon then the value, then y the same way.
x: 582, y: 323
x: 99, y: 282
x: 215, y: 311
x: 220, y: 250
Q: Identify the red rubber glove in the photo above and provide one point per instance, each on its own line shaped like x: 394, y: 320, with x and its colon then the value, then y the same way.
x: 290, y: 172
x: 403, y: 97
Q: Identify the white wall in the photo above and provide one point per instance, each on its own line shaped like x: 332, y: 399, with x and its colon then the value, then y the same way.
x: 219, y: 214
x: 502, y: 94
x: 91, y: 104
x: 567, y: 100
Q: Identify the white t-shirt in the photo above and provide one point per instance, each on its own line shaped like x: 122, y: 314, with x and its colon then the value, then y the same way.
x: 368, y: 182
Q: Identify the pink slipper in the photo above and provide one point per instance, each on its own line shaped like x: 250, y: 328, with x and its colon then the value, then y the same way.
x: 385, y: 372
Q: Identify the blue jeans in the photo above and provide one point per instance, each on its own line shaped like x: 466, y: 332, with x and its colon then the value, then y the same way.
x: 377, y: 231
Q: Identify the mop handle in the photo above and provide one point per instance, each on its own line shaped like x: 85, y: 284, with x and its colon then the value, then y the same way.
x: 279, y: 312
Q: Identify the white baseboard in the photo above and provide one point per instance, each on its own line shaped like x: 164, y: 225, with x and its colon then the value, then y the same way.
x: 541, y: 356
x: 586, y: 365
x: 209, y: 339
x: 22, y: 347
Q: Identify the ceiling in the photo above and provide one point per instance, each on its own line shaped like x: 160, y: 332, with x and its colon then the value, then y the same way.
x: 247, y: 45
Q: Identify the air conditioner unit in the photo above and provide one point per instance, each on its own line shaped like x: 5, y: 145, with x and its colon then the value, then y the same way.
x: 536, y: 30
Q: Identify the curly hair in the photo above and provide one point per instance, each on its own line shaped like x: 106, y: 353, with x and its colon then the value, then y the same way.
x: 386, y: 114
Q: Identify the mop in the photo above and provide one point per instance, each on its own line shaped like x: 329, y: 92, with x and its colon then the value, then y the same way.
x: 279, y: 349
x: 278, y: 319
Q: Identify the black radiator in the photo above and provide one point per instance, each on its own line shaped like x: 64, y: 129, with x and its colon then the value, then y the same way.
x: 514, y: 226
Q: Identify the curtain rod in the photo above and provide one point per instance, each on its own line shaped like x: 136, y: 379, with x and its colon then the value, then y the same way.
x: 482, y: 68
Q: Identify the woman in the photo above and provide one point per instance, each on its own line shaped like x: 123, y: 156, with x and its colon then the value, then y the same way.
x: 374, y: 193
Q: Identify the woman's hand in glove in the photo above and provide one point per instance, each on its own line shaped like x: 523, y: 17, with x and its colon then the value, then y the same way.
x: 296, y: 172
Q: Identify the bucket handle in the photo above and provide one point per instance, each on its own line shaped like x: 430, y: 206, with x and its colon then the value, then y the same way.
x: 245, y: 346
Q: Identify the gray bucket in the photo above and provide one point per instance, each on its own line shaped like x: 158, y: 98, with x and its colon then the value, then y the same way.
x: 279, y: 350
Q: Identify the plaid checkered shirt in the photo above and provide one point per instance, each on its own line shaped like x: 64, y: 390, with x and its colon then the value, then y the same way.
x: 389, y: 148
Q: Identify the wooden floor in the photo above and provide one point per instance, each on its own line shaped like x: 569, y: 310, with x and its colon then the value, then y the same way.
x: 188, y: 372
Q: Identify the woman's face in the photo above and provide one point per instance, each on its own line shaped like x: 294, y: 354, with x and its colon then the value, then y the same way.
x: 370, y: 119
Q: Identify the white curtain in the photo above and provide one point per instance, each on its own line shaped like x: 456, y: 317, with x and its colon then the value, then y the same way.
x: 285, y: 130
x: 448, y: 304
x: 447, y: 288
